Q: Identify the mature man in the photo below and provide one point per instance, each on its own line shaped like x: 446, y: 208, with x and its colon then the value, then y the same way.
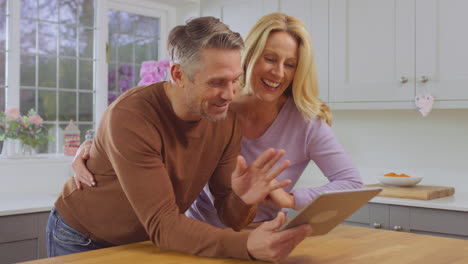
x: 157, y: 146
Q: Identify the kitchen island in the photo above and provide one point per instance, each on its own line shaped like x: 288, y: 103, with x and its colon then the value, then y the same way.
x: 344, y: 244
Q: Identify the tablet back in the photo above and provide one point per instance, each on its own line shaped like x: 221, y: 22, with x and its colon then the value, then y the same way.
x: 330, y: 209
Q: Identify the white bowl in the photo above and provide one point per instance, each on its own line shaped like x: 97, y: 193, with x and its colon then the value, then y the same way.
x: 400, y: 181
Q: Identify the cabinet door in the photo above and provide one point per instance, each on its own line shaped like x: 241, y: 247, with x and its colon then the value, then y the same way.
x: 315, y: 15
x: 239, y: 15
x: 442, y: 48
x: 399, y: 218
x: 439, y: 222
x: 379, y: 216
x: 371, y: 48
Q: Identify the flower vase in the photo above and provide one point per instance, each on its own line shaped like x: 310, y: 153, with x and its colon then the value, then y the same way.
x: 11, y: 148
x: 14, y: 148
x: 27, y: 151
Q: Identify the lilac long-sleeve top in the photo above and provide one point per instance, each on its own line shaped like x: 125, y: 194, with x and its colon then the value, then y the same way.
x: 303, y: 141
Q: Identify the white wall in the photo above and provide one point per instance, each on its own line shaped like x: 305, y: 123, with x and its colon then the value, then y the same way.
x: 39, y: 175
x: 382, y: 141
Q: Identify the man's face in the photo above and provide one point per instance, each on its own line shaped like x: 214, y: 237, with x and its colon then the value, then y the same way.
x: 214, y: 84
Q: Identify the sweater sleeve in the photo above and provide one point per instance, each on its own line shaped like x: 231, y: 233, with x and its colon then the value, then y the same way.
x: 232, y: 211
x: 324, y: 149
x: 133, y: 148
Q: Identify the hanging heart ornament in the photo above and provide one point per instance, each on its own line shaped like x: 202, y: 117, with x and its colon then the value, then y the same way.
x: 424, y: 103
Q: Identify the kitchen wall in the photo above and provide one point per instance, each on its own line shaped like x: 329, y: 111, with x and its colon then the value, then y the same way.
x: 381, y: 141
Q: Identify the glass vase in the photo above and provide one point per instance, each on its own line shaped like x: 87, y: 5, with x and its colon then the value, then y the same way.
x: 27, y: 151
x: 14, y: 148
x: 11, y: 148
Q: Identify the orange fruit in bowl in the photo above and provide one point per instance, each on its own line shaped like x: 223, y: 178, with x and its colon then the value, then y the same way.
x: 392, y: 174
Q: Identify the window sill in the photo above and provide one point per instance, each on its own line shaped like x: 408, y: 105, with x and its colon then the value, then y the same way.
x: 40, y: 158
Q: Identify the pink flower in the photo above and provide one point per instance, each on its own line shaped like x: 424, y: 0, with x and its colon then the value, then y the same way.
x: 147, y: 79
x: 36, y: 120
x: 147, y: 67
x: 163, y: 64
x: 13, y: 113
x: 153, y: 71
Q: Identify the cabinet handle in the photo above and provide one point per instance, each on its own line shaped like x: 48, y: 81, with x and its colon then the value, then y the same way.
x: 424, y: 79
x: 403, y: 79
x: 397, y: 228
x: 377, y: 225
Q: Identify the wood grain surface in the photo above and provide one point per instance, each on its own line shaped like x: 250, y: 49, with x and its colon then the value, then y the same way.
x: 345, y: 244
x: 418, y: 192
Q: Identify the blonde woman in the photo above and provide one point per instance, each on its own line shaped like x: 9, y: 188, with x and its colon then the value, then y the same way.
x: 278, y: 107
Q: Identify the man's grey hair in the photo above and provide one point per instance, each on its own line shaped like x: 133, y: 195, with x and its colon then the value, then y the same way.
x: 187, y: 42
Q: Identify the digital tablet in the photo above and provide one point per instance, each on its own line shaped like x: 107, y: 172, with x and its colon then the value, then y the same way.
x: 330, y: 209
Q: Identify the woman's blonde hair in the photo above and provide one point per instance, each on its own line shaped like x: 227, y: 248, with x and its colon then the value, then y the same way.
x: 304, y: 87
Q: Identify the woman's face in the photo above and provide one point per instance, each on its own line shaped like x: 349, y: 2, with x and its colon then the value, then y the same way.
x: 275, y: 68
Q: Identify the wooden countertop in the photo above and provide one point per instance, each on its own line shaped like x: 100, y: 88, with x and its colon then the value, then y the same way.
x: 345, y: 244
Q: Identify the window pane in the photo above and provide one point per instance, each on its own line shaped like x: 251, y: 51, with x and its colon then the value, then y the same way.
x: 146, y: 49
x: 48, y: 10
x: 29, y: 8
x: 136, y: 77
x: 67, y: 106
x: 126, y: 23
x: 67, y: 77
x: 86, y: 107
x: 125, y: 77
x: 49, y: 147
x: 28, y: 71
x: 114, y: 21
x: 86, y: 75
x: 2, y: 99
x: 83, y: 129
x: 68, y: 9
x: 2, y: 32
x: 47, y: 72
x: 112, y: 77
x: 28, y: 36
x: 113, y: 41
x: 2, y: 7
x: 68, y: 40
x: 86, y: 13
x: 27, y: 100
x: 47, y: 107
x: 2, y: 68
x: 86, y: 43
x: 125, y: 48
x: 48, y: 38
x: 147, y: 26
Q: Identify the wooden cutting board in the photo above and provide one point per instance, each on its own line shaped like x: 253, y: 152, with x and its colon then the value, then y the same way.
x: 418, y: 192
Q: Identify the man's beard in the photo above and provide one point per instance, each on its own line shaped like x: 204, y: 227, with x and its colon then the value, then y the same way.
x: 199, y: 112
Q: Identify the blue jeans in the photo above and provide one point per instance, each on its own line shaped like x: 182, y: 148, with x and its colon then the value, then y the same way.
x: 62, y: 239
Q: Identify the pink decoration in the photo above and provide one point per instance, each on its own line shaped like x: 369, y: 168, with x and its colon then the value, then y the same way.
x: 13, y: 113
x: 36, y: 120
x: 424, y: 103
x: 153, y: 71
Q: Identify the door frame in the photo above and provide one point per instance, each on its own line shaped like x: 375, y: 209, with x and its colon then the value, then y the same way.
x: 167, y: 18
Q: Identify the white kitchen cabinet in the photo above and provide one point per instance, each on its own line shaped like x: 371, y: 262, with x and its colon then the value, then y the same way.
x: 241, y: 15
x: 384, y: 52
x: 441, y: 48
x: 371, y: 47
x: 446, y: 223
